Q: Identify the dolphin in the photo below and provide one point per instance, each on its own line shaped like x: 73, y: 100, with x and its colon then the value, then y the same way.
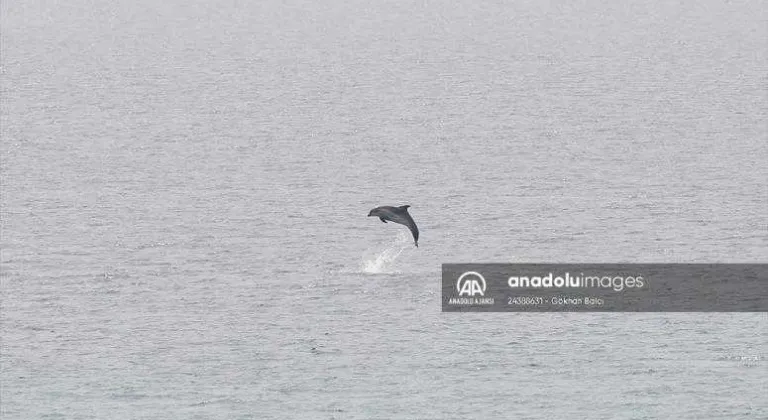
x: 397, y: 215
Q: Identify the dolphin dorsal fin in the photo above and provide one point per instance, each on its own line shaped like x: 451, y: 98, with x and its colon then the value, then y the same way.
x: 405, y: 207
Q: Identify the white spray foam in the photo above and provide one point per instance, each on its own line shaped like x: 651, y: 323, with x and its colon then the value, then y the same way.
x: 383, y: 261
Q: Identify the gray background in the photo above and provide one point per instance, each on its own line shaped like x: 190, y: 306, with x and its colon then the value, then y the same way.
x: 185, y: 185
x: 665, y: 287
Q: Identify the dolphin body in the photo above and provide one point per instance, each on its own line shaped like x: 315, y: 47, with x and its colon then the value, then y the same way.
x: 398, y: 215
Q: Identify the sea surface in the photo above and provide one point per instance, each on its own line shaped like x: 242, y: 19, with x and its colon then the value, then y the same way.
x: 185, y: 187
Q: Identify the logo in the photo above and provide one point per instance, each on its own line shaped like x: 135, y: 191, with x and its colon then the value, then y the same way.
x: 471, y: 283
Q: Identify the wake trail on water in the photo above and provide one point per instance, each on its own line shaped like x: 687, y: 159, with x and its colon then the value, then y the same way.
x: 377, y: 262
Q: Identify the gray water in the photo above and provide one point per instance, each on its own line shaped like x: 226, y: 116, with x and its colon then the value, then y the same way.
x: 185, y: 188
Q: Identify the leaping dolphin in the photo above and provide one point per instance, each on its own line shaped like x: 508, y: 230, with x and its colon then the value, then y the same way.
x: 398, y: 215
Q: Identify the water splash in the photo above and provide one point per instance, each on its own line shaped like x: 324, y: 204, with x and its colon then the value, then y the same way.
x: 382, y: 261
